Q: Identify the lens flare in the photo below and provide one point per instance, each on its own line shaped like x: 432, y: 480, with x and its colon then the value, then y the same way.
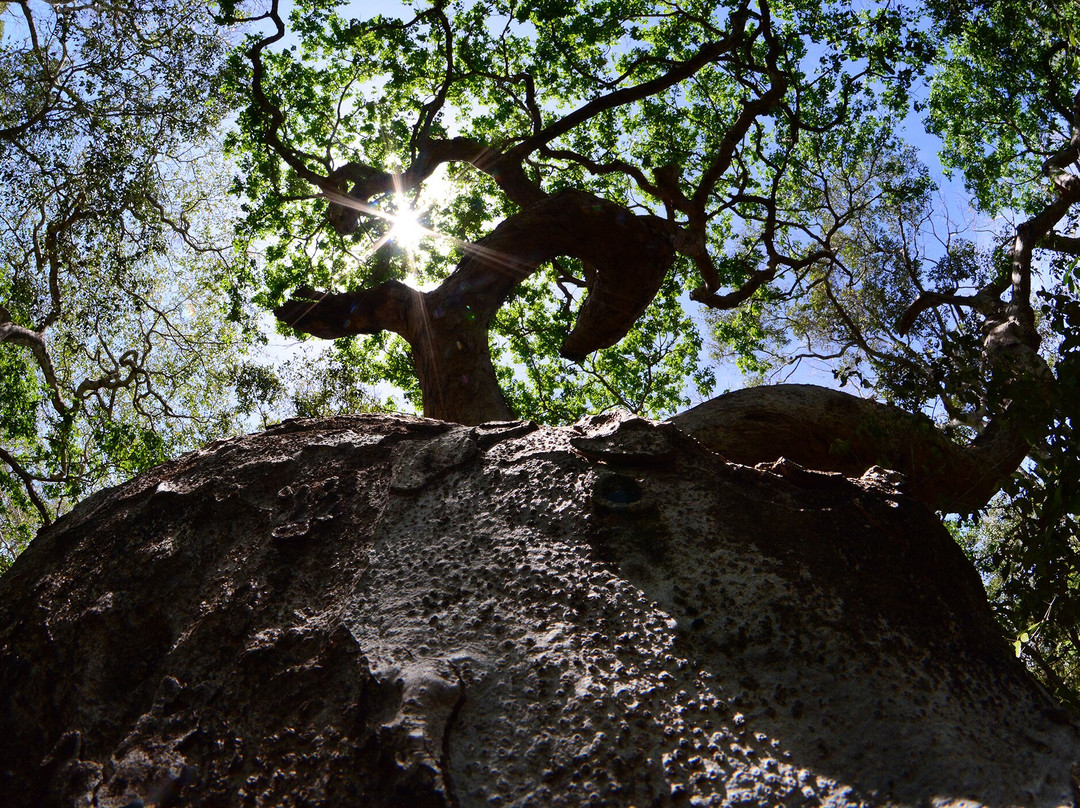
x: 407, y: 230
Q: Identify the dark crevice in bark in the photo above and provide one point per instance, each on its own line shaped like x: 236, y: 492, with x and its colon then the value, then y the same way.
x: 451, y: 721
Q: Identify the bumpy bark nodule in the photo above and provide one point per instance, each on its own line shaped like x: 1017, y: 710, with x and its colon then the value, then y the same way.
x: 389, y: 611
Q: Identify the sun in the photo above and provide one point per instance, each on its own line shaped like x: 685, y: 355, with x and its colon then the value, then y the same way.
x: 407, y: 214
x: 406, y: 229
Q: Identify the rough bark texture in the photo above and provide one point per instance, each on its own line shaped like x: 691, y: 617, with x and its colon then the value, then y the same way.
x: 388, y: 611
x: 833, y: 431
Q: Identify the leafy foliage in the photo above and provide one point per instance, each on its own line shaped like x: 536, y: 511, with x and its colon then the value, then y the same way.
x: 1003, y: 99
x: 307, y: 386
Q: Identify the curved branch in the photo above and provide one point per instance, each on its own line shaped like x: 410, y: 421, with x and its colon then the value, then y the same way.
x: 504, y: 168
x: 35, y: 341
x: 368, y: 182
x: 828, y: 430
x: 330, y: 315
x: 28, y: 484
x: 271, y: 112
x: 750, y: 112
x: 422, y: 131
x: 1069, y: 245
x: 737, y: 296
x: 928, y: 300
x: 112, y: 380
x: 630, y: 255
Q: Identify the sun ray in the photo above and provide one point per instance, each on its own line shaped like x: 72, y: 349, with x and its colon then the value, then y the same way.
x: 410, y: 224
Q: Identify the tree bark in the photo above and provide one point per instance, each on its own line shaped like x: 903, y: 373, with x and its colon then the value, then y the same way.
x: 384, y: 611
x: 453, y: 364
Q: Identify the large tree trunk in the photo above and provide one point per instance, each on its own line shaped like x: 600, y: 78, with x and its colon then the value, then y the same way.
x: 453, y: 365
x: 389, y: 611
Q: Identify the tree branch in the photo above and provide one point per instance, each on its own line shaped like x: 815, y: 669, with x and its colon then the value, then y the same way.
x: 272, y: 114
x: 751, y: 111
x: 428, y: 112
x: 737, y: 296
x: 329, y: 315
x: 680, y: 71
x: 35, y: 341
x: 369, y: 182
x: 28, y: 484
x: 1060, y: 243
x: 927, y: 300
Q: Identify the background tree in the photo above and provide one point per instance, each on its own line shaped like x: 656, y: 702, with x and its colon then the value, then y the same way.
x: 116, y: 333
x: 1015, y: 73
x: 1004, y: 96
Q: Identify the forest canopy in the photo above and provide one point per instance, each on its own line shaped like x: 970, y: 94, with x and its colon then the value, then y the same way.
x: 546, y: 209
x: 113, y: 259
